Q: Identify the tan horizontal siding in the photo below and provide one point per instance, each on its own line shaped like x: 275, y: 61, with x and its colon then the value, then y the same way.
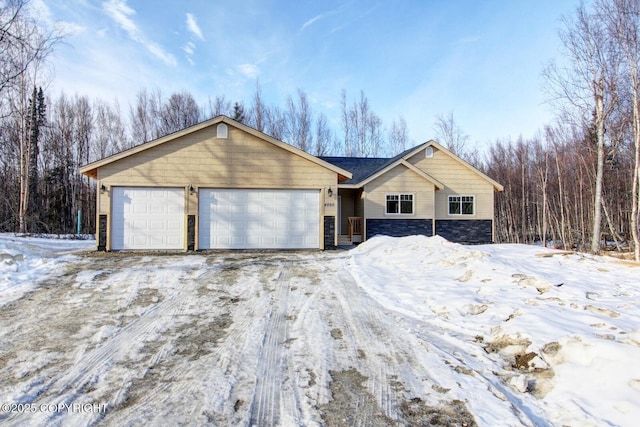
x: 200, y: 159
x: 458, y: 180
x: 399, y: 180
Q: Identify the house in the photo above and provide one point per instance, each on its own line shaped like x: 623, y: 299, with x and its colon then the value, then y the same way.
x: 425, y: 190
x: 223, y: 185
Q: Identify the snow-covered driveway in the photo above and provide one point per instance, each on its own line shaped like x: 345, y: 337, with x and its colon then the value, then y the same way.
x: 398, y: 332
x: 226, y: 339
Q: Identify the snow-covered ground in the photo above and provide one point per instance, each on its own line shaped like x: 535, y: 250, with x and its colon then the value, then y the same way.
x: 399, y: 331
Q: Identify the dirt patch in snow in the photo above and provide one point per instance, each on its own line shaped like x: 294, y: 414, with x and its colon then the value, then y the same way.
x: 351, y: 404
x: 416, y: 412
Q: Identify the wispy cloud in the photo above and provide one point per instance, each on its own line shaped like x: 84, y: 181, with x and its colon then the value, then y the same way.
x: 192, y: 25
x: 313, y: 20
x: 189, y: 48
x: 122, y: 14
x: 159, y: 52
x: 250, y: 71
x: 321, y: 16
x: 317, y: 18
x: 43, y: 13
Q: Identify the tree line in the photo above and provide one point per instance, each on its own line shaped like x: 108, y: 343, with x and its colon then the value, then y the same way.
x: 575, y: 184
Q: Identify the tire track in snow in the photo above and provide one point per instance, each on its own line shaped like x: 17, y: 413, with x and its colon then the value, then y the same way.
x: 266, y: 404
x: 67, y: 388
x: 175, y: 376
x: 227, y: 375
x: 358, y: 322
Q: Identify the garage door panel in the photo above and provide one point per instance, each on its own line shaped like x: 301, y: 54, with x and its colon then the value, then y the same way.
x: 139, y: 209
x: 260, y: 219
x: 140, y: 241
x: 147, y: 218
x: 253, y: 209
x: 140, y: 224
x: 174, y: 225
x: 174, y: 241
x: 156, y: 225
x: 223, y: 225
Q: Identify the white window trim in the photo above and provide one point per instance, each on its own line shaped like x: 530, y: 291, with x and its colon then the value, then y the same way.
x: 222, y: 131
x: 413, y: 204
x: 461, y: 214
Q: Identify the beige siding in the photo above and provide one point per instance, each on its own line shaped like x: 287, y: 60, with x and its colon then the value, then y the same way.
x: 458, y: 180
x: 398, y: 180
x: 202, y: 160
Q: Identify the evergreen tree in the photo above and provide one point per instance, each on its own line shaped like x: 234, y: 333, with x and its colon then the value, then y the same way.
x: 238, y: 112
x: 35, y: 120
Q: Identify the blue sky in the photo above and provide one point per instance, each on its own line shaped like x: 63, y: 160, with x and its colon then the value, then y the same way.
x: 480, y: 59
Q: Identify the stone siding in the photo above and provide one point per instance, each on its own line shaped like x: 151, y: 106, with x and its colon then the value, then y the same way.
x: 102, y: 232
x: 398, y: 227
x: 191, y: 232
x: 329, y: 232
x: 476, y: 231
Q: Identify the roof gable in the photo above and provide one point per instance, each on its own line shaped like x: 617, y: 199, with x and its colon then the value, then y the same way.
x: 497, y: 186
x: 367, y: 169
x: 402, y: 162
x: 91, y: 169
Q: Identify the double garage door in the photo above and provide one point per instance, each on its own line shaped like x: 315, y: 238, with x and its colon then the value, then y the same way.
x: 258, y: 219
x: 153, y: 218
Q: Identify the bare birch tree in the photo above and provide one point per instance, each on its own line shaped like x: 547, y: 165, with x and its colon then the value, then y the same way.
x: 450, y: 134
x: 179, y: 112
x: 276, y: 123
x: 362, y: 128
x: 258, y: 110
x: 219, y: 106
x: 623, y: 21
x: 141, y: 118
x: 324, y: 137
x: 588, y: 84
x: 398, y: 135
x: 299, y: 120
x: 22, y: 42
x: 24, y: 46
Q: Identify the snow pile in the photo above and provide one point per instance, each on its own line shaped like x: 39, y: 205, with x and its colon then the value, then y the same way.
x: 563, y: 331
x: 25, y: 260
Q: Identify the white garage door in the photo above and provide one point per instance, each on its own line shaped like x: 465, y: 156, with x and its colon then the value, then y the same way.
x: 147, y: 218
x: 258, y: 219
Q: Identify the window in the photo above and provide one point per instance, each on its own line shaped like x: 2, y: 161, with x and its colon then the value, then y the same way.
x: 461, y: 205
x: 400, y: 204
x: 428, y: 152
x: 222, y: 131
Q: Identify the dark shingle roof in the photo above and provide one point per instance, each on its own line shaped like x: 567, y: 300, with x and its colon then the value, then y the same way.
x: 363, y: 167
x: 360, y: 167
